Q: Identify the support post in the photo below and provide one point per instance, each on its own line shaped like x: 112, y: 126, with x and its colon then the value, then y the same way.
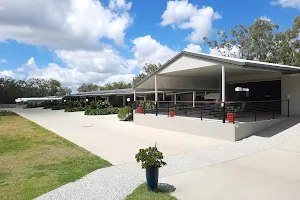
x: 288, y: 107
x: 145, y: 97
x: 194, y: 98
x: 155, y: 87
x: 223, y: 113
x: 223, y: 86
x: 144, y: 107
x: 95, y: 98
x: 163, y: 96
x: 134, y: 95
x: 156, y: 111
x: 175, y: 98
x: 201, y: 110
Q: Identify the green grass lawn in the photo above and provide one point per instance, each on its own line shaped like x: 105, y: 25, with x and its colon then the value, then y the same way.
x: 142, y: 193
x: 34, y: 160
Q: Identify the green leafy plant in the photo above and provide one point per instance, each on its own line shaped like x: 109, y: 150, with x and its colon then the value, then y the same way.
x: 125, y: 114
x: 172, y: 109
x: 104, y: 111
x: 93, y: 105
x: 7, y: 113
x: 150, y: 157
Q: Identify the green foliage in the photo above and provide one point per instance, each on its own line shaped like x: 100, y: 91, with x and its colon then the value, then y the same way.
x: 150, y: 105
x: 34, y: 105
x: 115, y: 85
x: 260, y: 41
x: 148, y: 69
x: 172, y: 109
x: 7, y: 113
x: 150, y: 157
x: 103, y: 104
x: 93, y: 105
x: 142, y: 193
x: 75, y: 109
x: 125, y: 114
x: 10, y: 89
x: 104, y: 111
x: 88, y: 87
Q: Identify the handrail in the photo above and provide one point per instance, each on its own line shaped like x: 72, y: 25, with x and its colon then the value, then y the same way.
x: 227, y: 102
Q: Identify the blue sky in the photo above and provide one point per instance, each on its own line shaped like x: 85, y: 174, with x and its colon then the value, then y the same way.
x: 81, y: 41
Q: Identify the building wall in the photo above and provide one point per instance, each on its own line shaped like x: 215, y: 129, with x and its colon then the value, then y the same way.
x: 243, y: 130
x: 290, y: 86
x: 188, y: 125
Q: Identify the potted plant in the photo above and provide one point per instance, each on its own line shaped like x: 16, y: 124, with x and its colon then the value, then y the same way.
x: 151, y: 160
x: 172, y: 112
x: 231, y: 113
x: 141, y: 107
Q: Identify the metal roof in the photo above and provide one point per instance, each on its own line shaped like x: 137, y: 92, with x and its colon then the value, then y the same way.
x: 226, y: 60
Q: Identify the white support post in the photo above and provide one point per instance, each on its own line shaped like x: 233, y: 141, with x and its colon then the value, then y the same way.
x: 223, y: 85
x: 175, y: 98
x: 194, y: 98
x: 134, y: 95
x: 145, y: 97
x: 163, y: 96
x: 155, y: 86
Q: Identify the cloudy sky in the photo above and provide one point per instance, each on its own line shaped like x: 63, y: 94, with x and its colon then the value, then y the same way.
x: 91, y: 41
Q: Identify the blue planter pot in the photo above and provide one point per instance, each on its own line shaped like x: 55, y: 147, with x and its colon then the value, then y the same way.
x: 152, y: 177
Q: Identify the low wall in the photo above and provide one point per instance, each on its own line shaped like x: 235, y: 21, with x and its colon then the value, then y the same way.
x: 188, y: 125
x: 205, y: 128
x: 243, y: 130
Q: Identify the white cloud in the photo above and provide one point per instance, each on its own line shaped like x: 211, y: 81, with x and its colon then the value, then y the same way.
x: 3, y: 60
x: 193, y: 48
x: 287, y: 3
x: 184, y: 15
x: 67, y: 24
x: 12, y: 74
x: 265, y: 18
x: 148, y: 50
x: 105, y: 61
x: 119, y: 4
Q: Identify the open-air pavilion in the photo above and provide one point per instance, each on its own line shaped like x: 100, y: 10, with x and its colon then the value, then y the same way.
x: 258, y: 94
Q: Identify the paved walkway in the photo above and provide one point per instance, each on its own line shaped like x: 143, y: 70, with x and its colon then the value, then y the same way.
x: 259, y: 167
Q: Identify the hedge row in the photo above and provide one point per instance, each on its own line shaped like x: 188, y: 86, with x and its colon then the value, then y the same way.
x: 7, y: 113
x: 75, y: 109
x: 104, y: 111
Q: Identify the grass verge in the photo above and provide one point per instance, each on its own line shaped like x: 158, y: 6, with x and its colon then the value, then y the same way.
x: 35, y: 160
x: 142, y: 193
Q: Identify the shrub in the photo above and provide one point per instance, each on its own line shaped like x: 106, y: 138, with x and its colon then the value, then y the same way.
x: 150, y: 157
x: 103, y: 104
x: 7, y: 113
x: 125, y: 114
x: 93, y: 105
x: 75, y: 109
x: 104, y: 111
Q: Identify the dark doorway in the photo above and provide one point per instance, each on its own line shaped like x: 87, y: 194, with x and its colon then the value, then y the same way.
x: 254, y: 91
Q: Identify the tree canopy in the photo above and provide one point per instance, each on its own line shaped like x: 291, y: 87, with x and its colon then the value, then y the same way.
x: 88, y: 87
x: 10, y: 89
x: 148, y: 69
x: 260, y: 41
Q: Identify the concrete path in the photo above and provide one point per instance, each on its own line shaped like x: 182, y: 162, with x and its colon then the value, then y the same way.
x: 260, y: 167
x: 111, y: 139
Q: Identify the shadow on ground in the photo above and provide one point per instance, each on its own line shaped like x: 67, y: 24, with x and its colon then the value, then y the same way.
x: 282, y: 126
x: 166, y: 187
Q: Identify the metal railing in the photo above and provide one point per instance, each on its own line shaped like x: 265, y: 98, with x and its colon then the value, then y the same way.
x: 232, y: 111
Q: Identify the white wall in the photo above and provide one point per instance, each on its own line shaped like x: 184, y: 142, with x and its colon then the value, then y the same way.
x: 243, y: 130
x: 193, y: 126
x: 290, y: 85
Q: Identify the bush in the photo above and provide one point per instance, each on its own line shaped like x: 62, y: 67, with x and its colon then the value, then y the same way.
x: 75, y: 109
x: 58, y: 107
x: 93, y: 105
x: 103, y: 104
x: 150, y: 157
x: 7, y: 113
x: 104, y: 111
x: 125, y: 114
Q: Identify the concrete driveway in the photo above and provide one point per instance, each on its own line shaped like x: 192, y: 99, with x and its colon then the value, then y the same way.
x: 111, y: 139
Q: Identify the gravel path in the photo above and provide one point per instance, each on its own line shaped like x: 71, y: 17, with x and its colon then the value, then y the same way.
x: 118, y: 181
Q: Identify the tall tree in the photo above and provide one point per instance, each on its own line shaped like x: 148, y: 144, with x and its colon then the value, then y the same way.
x: 254, y: 42
x: 148, y: 69
x: 88, y: 87
x: 115, y: 85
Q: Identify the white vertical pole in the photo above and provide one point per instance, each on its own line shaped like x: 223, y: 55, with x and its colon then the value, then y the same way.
x: 134, y: 95
x: 194, y: 98
x: 163, y: 96
x: 175, y: 98
x: 223, y: 85
x: 155, y: 86
x: 145, y: 97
